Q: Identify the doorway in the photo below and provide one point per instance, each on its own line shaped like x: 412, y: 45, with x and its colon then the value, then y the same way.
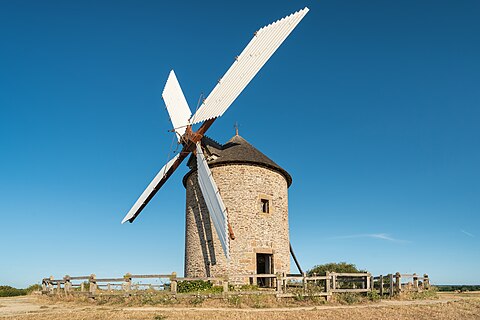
x: 264, y: 266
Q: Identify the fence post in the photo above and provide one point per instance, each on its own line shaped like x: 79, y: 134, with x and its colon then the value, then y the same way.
x: 93, y: 284
x: 398, y: 284
x: 284, y: 278
x: 367, y: 282
x: 127, y: 283
x: 327, y: 282
x: 109, y: 287
x: 381, y: 284
x: 225, y: 288
x: 391, y: 285
x: 426, y: 281
x: 415, y: 281
x: 327, y: 286
x: 304, y: 280
x: 44, y: 286
x: 50, y: 285
x: 279, y: 283
x: 372, y: 282
x: 173, y: 283
x: 68, y: 285
x: 334, y: 281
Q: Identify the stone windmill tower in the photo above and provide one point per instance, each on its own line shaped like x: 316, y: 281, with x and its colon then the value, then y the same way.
x: 255, y: 192
x: 248, y: 207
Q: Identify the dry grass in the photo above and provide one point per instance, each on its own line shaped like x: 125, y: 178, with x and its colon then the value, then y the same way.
x: 456, y: 307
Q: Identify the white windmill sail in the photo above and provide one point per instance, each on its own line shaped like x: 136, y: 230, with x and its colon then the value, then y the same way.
x: 215, y: 205
x: 177, y: 105
x: 150, y: 189
x: 265, y: 42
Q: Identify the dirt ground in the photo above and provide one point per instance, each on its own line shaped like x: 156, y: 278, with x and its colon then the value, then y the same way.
x: 447, y: 306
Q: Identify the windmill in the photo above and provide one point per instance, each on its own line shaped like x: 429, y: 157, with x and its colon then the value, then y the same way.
x: 264, y: 43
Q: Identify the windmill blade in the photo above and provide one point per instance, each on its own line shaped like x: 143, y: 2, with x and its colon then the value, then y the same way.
x: 177, y: 105
x: 154, y: 186
x: 215, y: 205
x: 265, y: 42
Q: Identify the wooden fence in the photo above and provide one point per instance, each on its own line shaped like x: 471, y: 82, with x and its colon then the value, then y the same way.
x: 281, y: 285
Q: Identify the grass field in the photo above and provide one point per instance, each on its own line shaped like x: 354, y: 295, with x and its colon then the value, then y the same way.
x: 447, y: 306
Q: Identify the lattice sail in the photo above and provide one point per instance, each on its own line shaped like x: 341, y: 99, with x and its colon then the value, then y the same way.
x: 177, y: 105
x: 146, y: 195
x: 215, y: 205
x: 265, y: 42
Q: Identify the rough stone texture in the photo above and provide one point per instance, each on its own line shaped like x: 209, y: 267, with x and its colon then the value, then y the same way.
x: 241, y: 187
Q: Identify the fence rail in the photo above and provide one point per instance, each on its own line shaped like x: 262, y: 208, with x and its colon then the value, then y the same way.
x: 282, y: 285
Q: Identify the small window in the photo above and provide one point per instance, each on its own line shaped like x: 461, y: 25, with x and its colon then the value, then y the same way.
x: 265, y: 205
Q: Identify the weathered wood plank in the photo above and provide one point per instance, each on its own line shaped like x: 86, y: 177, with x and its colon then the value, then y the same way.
x: 149, y: 276
x: 350, y: 274
x: 317, y: 278
x: 110, y: 280
x: 349, y: 290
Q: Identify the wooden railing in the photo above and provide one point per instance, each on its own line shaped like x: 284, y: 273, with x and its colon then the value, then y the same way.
x: 282, y: 285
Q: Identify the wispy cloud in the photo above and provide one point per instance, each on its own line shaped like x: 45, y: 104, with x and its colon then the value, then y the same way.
x: 381, y: 236
x: 467, y: 233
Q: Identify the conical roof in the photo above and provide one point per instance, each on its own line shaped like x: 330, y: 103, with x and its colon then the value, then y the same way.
x: 236, y: 151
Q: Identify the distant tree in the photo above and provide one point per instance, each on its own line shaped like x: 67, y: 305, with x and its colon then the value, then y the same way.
x: 340, y: 267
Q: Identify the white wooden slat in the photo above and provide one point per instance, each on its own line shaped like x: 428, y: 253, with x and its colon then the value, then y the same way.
x: 213, y: 200
x: 133, y: 211
x: 249, y: 62
x: 177, y: 105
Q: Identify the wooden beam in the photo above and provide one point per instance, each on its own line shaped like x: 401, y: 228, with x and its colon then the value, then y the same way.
x: 295, y: 259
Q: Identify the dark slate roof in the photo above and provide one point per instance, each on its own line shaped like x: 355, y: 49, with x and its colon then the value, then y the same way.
x: 236, y: 151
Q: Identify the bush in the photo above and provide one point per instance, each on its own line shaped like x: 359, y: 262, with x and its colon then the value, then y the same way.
x: 7, y: 291
x: 197, y: 286
x: 426, y: 294
x: 348, y: 298
x: 373, y: 295
x: 33, y: 287
x: 340, y: 267
x: 235, y: 300
x: 461, y: 288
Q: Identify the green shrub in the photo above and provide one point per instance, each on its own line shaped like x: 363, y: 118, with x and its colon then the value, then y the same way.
x: 33, y: 287
x: 340, y: 267
x: 461, y: 288
x: 235, y: 300
x: 193, y: 286
x: 299, y: 297
x: 348, y: 298
x: 373, y: 295
x: 7, y: 291
x: 426, y: 294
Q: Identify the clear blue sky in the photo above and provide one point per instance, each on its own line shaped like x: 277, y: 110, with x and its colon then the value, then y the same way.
x: 372, y: 106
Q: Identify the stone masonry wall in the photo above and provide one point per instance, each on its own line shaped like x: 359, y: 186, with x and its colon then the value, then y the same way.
x: 241, y: 187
